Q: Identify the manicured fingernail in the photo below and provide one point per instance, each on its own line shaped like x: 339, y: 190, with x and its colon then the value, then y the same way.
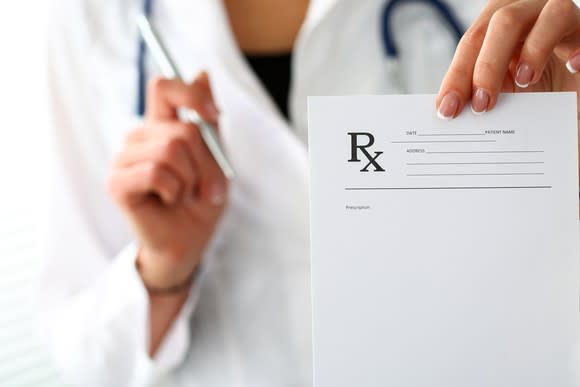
x: 211, y: 110
x: 573, y: 65
x: 480, y: 102
x: 449, y: 106
x: 524, y: 75
x: 217, y: 194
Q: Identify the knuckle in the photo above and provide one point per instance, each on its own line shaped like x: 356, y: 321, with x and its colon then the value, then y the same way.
x: 459, y: 74
x: 486, y: 76
x: 557, y: 9
x: 170, y: 148
x: 535, y: 50
x: 191, y: 99
x: 474, y: 36
x: 485, y: 70
x: 134, y: 136
x: 157, y: 86
x: 185, y: 129
x: 505, y: 19
x: 154, y: 174
x: 190, y: 134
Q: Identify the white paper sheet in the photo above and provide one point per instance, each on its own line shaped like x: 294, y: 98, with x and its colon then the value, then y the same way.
x: 456, y: 266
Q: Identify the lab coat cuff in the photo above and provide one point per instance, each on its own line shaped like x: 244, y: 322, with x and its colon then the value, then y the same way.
x: 175, y: 345
x: 124, y: 292
x: 126, y: 284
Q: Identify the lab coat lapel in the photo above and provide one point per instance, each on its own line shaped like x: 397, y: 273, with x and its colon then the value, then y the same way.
x: 235, y: 85
x: 270, y: 161
x: 317, y: 10
x: 221, y: 46
x: 229, y: 55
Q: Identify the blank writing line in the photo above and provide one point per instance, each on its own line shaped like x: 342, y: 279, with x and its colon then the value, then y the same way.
x: 487, y: 152
x: 475, y: 174
x: 451, y: 134
x: 440, y: 142
x: 443, y: 188
x: 489, y: 163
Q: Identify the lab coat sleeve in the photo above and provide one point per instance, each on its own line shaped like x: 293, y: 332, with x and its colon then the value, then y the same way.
x: 92, y: 306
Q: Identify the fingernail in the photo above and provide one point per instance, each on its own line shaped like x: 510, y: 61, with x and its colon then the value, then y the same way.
x: 217, y: 194
x: 573, y: 65
x: 449, y: 106
x: 211, y: 110
x: 480, y: 102
x: 524, y: 75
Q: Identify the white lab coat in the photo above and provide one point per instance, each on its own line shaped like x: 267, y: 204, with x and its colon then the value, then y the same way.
x: 247, y: 320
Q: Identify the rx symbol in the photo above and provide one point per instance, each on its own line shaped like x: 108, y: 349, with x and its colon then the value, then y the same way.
x: 356, y: 148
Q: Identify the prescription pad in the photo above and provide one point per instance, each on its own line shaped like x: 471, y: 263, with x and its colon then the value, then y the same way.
x: 444, y: 253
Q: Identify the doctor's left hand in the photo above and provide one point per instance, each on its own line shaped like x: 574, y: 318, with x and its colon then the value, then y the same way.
x: 513, y: 46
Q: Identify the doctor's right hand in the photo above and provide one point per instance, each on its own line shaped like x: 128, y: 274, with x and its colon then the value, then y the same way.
x: 168, y: 185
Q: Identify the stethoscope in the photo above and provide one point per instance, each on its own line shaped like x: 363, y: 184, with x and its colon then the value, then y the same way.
x: 391, y: 50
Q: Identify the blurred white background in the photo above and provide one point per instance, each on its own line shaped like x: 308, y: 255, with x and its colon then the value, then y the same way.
x: 22, y: 182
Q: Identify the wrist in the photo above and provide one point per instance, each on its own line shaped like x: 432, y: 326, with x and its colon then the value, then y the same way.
x: 162, y: 276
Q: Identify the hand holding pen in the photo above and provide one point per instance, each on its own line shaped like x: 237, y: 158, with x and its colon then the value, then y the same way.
x: 171, y: 181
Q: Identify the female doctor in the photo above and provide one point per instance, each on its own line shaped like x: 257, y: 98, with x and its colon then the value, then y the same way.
x: 196, y: 281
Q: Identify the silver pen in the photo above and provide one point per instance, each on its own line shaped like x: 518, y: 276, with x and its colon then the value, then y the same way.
x: 169, y: 70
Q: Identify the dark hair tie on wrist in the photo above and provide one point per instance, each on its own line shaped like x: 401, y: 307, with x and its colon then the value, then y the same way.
x: 170, y: 290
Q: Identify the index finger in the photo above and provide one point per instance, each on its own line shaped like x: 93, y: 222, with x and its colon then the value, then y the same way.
x: 166, y: 96
x: 457, y: 85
